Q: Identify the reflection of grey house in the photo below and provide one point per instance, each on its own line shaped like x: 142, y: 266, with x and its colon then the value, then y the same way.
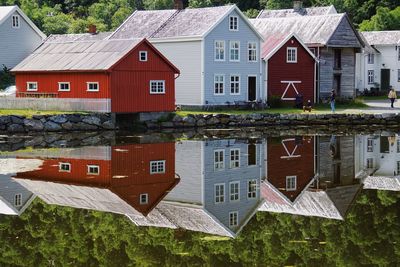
x: 14, y: 198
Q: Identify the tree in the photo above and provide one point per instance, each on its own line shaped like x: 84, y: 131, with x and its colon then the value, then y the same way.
x: 200, y: 3
x: 251, y: 13
x: 57, y: 24
x: 158, y: 4
x: 385, y: 19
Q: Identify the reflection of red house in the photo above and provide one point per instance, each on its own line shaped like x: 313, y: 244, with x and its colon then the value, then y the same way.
x: 290, y: 164
x: 128, y: 173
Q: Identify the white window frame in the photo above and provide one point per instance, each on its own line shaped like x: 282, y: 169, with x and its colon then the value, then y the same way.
x: 252, y: 49
x: 232, y: 48
x: 371, y: 58
x: 234, y: 23
x: 234, y: 159
x: 289, y: 55
x: 371, y: 76
x: 252, y: 188
x: 370, y: 145
x: 91, y: 172
x: 145, y: 201
x: 31, y: 83
x: 219, y: 165
x: 18, y: 200
x: 291, y: 183
x: 233, y: 218
x: 233, y: 195
x: 145, y: 56
x: 157, y: 83
x: 219, y: 198
x: 370, y: 163
x: 219, y: 83
x: 60, y: 164
x: 64, y: 83
x: 15, y: 21
x: 235, y: 84
x: 159, y: 165
x: 92, y: 83
x: 219, y: 50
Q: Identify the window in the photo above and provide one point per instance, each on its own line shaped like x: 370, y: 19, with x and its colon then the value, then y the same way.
x: 370, y: 76
x: 398, y: 168
x: 337, y: 59
x: 235, y: 85
x: 370, y: 145
x: 398, y: 74
x: 18, y: 200
x: 252, y: 51
x: 63, y: 86
x: 15, y: 21
x: 219, y: 50
x: 371, y: 58
x: 234, y: 191
x: 143, y: 56
x: 291, y: 56
x: 31, y: 86
x: 233, y: 218
x: 157, y: 87
x: 64, y: 167
x: 234, y: 50
x: 291, y: 183
x: 219, y: 193
x: 235, y: 158
x: 93, y: 86
x: 370, y: 163
x: 143, y: 199
x: 219, y: 159
x: 233, y: 23
x: 93, y: 169
x: 157, y: 166
x: 252, y: 189
x: 219, y: 81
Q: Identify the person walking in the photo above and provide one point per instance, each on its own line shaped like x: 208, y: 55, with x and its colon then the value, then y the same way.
x: 392, y: 96
x: 332, y: 100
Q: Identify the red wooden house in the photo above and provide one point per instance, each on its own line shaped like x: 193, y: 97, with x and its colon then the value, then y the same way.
x: 290, y: 68
x: 121, y: 76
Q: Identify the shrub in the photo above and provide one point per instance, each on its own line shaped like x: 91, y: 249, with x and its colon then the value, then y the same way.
x: 275, y: 101
x: 6, y: 78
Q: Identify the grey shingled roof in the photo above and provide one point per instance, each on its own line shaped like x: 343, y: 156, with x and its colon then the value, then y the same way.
x: 309, y: 11
x: 60, y: 38
x: 76, y: 56
x: 382, y: 183
x: 382, y: 37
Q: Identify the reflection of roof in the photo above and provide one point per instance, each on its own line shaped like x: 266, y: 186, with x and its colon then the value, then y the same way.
x: 382, y: 37
x: 343, y: 197
x: 309, y: 11
x: 382, y: 183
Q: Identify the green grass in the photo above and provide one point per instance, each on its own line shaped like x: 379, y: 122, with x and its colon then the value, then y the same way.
x: 382, y: 97
x: 29, y: 112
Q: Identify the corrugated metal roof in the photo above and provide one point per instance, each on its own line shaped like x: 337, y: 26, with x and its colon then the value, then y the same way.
x: 77, y: 55
x: 382, y: 183
x: 270, y: 43
x: 309, y: 11
x: 61, y: 38
x: 382, y: 37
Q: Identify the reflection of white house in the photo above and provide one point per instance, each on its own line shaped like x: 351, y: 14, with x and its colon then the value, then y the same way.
x: 14, y: 198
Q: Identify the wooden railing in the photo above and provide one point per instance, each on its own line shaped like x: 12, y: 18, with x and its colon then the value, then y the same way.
x: 37, y: 95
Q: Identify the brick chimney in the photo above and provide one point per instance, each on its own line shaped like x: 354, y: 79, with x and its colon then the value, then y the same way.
x: 92, y: 29
x: 297, y: 5
x: 178, y: 4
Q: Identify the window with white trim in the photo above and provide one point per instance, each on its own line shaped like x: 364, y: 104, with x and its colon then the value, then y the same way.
x: 234, y: 191
x: 252, y: 51
x: 93, y: 169
x: 233, y: 218
x: 157, y: 87
x: 157, y: 166
x: 64, y: 167
x: 64, y: 86
x: 234, y: 51
x: 233, y: 23
x: 18, y: 200
x: 219, y: 82
x: 219, y: 193
x: 235, y: 84
x: 143, y: 199
x: 93, y: 86
x: 31, y: 86
x: 252, y: 188
x: 291, y: 183
x: 142, y: 55
x: 219, y: 156
x: 219, y: 51
x: 371, y: 77
x: 291, y: 55
x: 15, y: 21
x: 371, y: 58
x: 234, y: 158
x: 370, y: 163
x: 370, y: 145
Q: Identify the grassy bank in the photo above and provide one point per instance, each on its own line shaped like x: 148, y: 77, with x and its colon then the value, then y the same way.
x: 29, y: 112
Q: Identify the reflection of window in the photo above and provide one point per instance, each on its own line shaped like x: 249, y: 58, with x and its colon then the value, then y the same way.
x: 398, y: 168
x: 233, y: 218
x: 235, y: 158
x: 31, y: 86
x: 219, y: 159
x: 252, y: 155
x: 144, y: 199
x: 370, y: 163
x: 370, y: 145
x: 64, y: 167
x: 252, y: 189
x: 291, y: 183
x: 219, y: 193
x: 234, y: 191
x: 157, y: 166
x: 93, y: 169
x: 384, y: 143
x: 398, y: 145
x: 18, y: 200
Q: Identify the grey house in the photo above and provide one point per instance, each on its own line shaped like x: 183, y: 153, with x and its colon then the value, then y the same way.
x: 18, y: 34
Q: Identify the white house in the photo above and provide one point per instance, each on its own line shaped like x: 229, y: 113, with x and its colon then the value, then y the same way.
x: 18, y: 34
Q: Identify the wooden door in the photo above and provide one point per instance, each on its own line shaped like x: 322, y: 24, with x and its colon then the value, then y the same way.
x: 252, y: 87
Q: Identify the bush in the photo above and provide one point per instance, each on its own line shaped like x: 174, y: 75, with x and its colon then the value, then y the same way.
x: 275, y: 101
x: 6, y: 78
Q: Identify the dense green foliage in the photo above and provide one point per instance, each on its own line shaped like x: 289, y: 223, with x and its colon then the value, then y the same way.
x: 74, y: 16
x: 48, y: 235
x: 6, y: 78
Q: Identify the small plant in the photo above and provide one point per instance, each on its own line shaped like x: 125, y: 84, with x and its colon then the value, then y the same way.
x: 275, y: 101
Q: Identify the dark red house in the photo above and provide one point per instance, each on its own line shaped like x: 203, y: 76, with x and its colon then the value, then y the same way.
x: 290, y: 68
x: 121, y: 76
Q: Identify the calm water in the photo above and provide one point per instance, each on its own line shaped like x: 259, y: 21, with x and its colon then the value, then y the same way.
x: 278, y: 201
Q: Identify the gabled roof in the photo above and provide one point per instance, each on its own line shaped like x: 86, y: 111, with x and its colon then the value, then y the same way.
x: 74, y: 37
x: 172, y: 24
x: 382, y: 37
x: 7, y: 11
x: 309, y: 11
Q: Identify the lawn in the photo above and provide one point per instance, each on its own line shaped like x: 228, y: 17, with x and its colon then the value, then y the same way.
x: 29, y: 112
x: 382, y: 97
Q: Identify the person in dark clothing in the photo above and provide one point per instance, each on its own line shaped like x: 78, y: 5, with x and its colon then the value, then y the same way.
x: 308, y: 106
x: 299, y: 101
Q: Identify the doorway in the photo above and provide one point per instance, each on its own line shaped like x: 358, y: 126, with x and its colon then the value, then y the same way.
x: 385, y: 79
x: 252, y: 88
x: 336, y: 83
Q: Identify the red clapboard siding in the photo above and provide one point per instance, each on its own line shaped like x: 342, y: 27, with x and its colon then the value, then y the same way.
x: 279, y: 70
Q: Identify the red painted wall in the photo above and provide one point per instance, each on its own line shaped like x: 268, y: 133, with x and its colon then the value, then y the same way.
x: 302, y: 167
x: 278, y: 70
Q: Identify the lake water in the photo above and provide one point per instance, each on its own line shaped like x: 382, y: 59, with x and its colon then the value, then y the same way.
x: 304, y: 200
